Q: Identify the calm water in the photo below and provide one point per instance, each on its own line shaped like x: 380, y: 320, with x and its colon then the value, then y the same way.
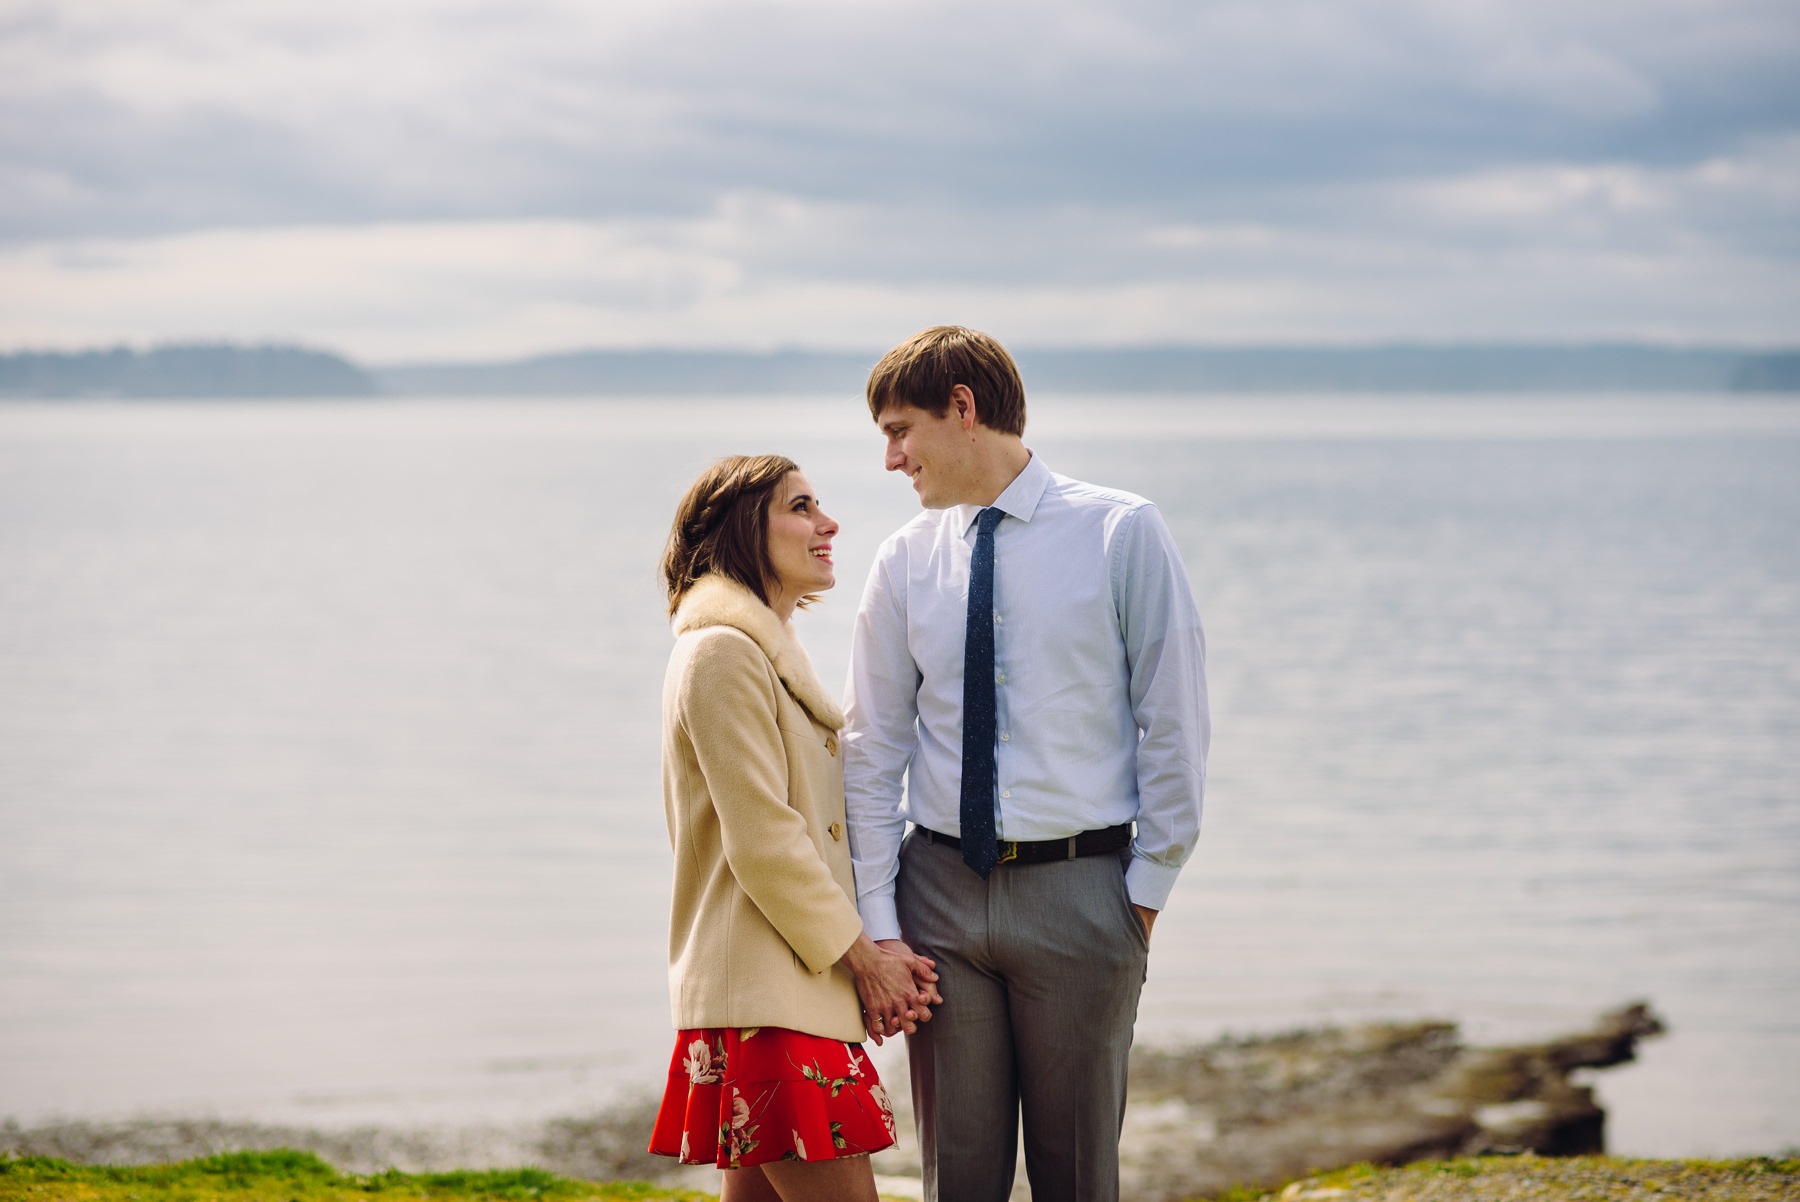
x: 328, y: 780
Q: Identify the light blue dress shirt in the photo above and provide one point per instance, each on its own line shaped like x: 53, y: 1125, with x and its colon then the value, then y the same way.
x: 1099, y: 674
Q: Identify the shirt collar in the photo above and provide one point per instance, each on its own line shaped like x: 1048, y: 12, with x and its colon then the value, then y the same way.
x: 1019, y: 500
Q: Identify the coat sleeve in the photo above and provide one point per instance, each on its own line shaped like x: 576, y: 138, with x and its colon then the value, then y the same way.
x: 727, y: 710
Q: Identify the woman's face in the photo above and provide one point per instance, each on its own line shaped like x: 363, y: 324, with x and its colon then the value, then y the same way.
x: 799, y: 540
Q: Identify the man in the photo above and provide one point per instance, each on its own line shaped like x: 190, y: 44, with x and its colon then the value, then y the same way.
x: 1028, y: 658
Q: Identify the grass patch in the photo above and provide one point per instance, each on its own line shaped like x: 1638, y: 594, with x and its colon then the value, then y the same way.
x: 284, y: 1176
x: 1753, y: 1179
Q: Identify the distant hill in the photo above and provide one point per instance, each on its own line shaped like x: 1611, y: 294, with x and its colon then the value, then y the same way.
x: 638, y: 373
x: 287, y: 371
x: 1769, y: 373
x: 1622, y: 367
x: 1596, y: 368
x: 184, y: 371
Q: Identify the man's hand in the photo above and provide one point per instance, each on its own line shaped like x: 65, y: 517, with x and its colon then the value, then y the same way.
x: 923, y: 970
x: 885, y: 981
x: 1147, y: 916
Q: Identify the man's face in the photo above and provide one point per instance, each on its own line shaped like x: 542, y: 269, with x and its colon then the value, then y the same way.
x: 936, y: 453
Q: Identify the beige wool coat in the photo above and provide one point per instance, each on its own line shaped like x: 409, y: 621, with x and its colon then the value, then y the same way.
x: 753, y: 788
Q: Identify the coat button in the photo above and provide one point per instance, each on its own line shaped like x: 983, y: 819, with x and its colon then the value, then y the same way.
x: 837, y: 831
x: 831, y: 744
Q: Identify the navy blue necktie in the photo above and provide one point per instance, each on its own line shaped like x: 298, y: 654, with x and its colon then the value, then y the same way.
x: 978, y: 848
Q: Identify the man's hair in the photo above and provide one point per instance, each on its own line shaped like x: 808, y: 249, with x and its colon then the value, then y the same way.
x: 722, y: 525
x: 922, y: 370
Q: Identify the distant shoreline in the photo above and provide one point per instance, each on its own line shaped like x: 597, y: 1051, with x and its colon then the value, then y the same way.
x: 280, y: 371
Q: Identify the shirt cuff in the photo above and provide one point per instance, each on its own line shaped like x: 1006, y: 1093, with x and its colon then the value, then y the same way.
x: 1146, y: 882
x: 879, y: 917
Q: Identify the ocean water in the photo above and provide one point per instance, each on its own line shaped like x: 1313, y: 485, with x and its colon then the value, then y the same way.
x: 328, y: 764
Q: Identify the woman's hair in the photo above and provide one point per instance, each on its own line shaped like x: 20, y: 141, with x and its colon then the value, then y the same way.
x: 722, y: 525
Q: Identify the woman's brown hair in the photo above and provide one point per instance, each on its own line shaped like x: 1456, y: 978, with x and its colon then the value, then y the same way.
x: 722, y: 525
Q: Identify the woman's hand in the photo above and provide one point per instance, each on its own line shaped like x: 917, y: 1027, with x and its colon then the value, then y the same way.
x: 894, y: 986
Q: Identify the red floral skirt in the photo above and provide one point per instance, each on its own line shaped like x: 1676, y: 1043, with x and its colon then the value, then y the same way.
x: 746, y: 1096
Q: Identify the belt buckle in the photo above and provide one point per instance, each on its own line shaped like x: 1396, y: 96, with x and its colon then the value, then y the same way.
x: 1011, y: 851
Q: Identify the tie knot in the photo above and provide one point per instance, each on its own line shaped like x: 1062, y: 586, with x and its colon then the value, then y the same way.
x: 987, y: 519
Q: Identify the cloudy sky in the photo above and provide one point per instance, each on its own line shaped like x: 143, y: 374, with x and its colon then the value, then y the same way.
x: 460, y: 179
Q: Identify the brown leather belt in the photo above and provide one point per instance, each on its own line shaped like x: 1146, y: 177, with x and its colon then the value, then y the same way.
x: 1087, y: 843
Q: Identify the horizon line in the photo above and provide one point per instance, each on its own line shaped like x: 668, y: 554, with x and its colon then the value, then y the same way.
x: 1290, y: 346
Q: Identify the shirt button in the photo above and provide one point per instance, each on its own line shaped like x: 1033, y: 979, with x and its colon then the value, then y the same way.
x: 1006, y: 792
x: 837, y: 831
x: 997, y: 619
x: 1005, y: 736
x: 1000, y: 679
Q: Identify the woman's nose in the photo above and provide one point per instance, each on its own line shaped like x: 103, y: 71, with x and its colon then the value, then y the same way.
x: 827, y: 524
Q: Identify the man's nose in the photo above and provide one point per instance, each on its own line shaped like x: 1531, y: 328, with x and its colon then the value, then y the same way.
x: 894, y: 459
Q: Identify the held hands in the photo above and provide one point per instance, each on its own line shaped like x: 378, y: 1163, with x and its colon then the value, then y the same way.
x: 924, y: 996
x: 923, y: 971
x: 896, y: 986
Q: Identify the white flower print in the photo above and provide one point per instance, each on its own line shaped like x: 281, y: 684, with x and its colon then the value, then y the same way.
x: 684, y: 1147
x: 880, y: 1094
x: 700, y: 1068
x: 799, y: 1147
x: 740, y: 1110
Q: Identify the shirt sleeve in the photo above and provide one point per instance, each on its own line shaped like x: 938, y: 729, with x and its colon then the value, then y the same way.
x: 881, y: 710
x: 728, y: 711
x: 1165, y: 651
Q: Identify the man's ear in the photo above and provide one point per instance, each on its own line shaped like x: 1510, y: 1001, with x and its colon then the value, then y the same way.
x: 963, y: 401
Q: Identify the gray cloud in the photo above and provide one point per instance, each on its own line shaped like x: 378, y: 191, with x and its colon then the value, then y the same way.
x: 464, y: 177
x: 162, y: 116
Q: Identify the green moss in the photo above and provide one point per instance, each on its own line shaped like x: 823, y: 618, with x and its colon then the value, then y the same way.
x: 285, y: 1176
x: 1588, y: 1172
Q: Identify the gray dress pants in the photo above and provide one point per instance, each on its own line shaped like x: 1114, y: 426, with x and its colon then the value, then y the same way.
x: 1041, y: 966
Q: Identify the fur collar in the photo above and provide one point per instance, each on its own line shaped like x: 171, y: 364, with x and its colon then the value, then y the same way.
x: 717, y: 600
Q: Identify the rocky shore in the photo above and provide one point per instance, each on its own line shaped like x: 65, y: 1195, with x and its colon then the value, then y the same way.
x: 1267, y: 1110
x: 1246, y: 1112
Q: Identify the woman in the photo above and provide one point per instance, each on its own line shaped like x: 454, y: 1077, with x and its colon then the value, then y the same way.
x: 770, y: 970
